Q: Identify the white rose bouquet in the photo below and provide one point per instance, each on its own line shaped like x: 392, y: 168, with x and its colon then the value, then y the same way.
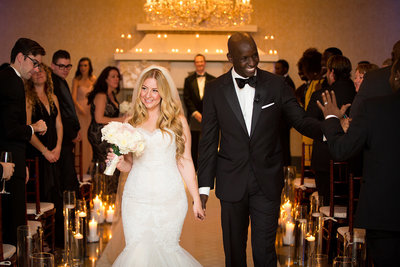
x: 124, y: 138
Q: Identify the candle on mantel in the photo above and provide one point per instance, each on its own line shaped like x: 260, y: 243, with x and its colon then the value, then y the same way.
x: 96, y: 203
x: 288, y: 238
x: 93, y: 229
x: 110, y: 214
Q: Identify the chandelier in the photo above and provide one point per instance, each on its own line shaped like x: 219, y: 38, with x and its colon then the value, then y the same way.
x: 198, y: 13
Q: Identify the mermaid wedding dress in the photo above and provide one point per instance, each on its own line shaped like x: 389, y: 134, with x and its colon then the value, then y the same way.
x: 154, y: 206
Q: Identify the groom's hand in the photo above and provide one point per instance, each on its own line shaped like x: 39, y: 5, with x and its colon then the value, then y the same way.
x: 203, y: 199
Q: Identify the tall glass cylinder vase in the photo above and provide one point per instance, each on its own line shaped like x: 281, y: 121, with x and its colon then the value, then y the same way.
x: 288, y: 189
x: 69, y: 205
x: 98, y: 179
x: 27, y: 244
x: 300, y: 245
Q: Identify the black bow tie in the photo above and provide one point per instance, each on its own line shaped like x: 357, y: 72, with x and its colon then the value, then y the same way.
x: 252, y: 81
x: 200, y: 75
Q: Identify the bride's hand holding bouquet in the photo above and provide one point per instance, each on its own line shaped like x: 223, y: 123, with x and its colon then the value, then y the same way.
x: 124, y: 138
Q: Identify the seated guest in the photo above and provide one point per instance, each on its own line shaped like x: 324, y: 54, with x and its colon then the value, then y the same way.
x: 104, y: 108
x: 42, y: 104
x: 360, y: 72
x: 375, y: 131
x: 338, y: 77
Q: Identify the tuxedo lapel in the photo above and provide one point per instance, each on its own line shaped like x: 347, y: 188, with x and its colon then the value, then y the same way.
x: 259, y: 97
x: 195, y: 87
x: 230, y: 94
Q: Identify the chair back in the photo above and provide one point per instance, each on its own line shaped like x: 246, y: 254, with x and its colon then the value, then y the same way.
x: 33, y: 185
x: 306, y: 153
x: 85, y: 189
x: 1, y: 232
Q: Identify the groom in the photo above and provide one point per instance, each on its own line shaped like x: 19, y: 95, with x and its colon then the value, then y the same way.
x: 241, y: 115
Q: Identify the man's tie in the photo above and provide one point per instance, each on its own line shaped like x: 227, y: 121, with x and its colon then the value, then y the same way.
x: 200, y: 75
x: 252, y: 81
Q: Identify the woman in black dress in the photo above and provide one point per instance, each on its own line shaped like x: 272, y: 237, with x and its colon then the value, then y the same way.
x: 42, y: 104
x: 104, y: 108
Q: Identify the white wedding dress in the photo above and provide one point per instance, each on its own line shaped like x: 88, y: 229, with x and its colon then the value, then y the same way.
x: 154, y: 206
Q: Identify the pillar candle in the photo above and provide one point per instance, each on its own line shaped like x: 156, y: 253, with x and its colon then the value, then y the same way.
x: 110, y: 215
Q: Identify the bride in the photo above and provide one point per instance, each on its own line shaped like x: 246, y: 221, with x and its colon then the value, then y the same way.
x: 154, y: 203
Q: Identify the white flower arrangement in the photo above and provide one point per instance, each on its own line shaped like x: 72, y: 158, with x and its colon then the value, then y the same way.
x: 126, y: 108
x: 124, y: 138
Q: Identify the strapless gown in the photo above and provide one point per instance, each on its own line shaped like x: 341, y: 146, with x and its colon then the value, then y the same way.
x: 154, y: 206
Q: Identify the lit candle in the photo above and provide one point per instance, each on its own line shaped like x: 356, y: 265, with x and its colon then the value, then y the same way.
x: 82, y: 214
x: 310, y: 245
x: 287, y: 207
x: 110, y: 215
x: 288, y: 239
x: 93, y: 229
x: 78, y: 236
x: 102, y: 213
x: 96, y: 203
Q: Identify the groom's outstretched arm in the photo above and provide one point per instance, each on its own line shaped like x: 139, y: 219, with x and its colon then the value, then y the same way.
x: 208, y: 147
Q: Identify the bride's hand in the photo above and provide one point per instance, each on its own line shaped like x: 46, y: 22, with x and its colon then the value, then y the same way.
x: 198, y: 211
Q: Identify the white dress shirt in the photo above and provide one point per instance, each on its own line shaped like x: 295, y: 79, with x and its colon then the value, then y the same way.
x: 246, y: 100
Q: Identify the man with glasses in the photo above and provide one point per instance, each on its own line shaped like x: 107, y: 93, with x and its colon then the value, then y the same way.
x: 61, y: 66
x: 26, y: 56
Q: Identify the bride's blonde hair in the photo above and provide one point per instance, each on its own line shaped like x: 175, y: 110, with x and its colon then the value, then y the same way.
x: 170, y: 110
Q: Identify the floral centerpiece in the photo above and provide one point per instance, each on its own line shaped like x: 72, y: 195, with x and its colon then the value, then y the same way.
x: 124, y: 138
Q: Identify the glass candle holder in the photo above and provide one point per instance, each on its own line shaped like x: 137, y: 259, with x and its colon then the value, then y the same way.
x: 69, y: 206
x: 42, y: 259
x: 27, y: 244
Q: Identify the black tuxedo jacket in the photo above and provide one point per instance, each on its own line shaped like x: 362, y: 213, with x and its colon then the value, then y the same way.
x: 375, y: 131
x: 240, y: 154
x: 290, y: 82
x: 14, y: 133
x: 375, y: 83
x: 344, y: 92
x: 69, y: 118
x: 191, y: 94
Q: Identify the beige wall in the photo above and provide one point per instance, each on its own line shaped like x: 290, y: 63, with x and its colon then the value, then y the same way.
x: 363, y: 29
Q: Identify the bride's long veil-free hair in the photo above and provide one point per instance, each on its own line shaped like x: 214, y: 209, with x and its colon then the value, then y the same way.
x: 117, y: 243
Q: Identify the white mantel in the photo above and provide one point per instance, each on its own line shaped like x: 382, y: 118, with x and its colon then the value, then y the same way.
x: 175, y: 49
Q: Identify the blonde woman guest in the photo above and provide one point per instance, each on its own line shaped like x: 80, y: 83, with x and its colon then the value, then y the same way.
x: 154, y: 202
x: 82, y: 84
x: 360, y: 72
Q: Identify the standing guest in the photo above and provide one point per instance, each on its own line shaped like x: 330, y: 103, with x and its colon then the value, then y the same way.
x: 375, y: 83
x: 300, y: 92
x: 26, y: 56
x: 82, y: 84
x: 338, y: 77
x: 360, y: 72
x: 375, y: 131
x: 104, y: 108
x: 193, y: 92
x: 240, y: 148
x: 282, y: 69
x: 61, y: 65
x: 42, y: 104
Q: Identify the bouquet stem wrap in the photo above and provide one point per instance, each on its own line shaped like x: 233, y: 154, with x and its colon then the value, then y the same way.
x: 124, y: 139
x: 112, y: 164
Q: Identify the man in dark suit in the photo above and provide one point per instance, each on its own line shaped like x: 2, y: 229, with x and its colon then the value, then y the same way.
x: 193, y: 92
x: 338, y: 77
x: 61, y: 66
x: 240, y: 148
x: 282, y: 69
x: 26, y: 56
x: 375, y: 130
x: 375, y: 83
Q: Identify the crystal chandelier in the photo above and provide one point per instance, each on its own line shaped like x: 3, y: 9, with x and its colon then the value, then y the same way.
x: 198, y: 13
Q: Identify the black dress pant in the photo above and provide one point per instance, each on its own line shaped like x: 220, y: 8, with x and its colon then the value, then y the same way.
x: 195, y: 146
x: 384, y: 247
x: 69, y: 180
x: 13, y: 209
x: 263, y: 214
